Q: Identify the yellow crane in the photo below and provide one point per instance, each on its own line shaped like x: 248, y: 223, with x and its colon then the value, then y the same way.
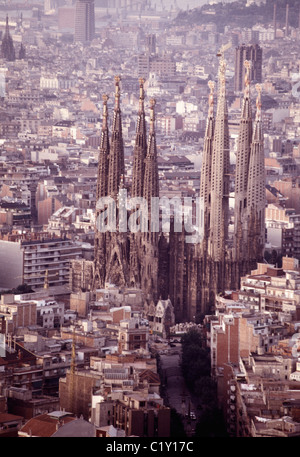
x: 224, y: 48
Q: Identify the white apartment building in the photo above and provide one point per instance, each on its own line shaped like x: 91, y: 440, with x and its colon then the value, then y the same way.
x: 34, y: 262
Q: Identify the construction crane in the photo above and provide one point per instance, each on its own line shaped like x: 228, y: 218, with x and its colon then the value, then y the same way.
x: 223, y: 48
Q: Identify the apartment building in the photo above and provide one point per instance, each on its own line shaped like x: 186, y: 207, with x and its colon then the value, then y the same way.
x: 254, y: 350
x: 36, y: 260
x: 142, y: 415
x: 163, y: 66
x: 14, y: 315
x: 266, y: 401
x: 50, y: 313
x: 135, y: 413
x: 133, y: 336
x: 18, y: 368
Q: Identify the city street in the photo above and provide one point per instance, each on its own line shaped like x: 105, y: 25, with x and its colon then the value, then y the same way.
x: 177, y: 394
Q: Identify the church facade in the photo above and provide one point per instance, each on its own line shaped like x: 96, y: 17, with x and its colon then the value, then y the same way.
x: 162, y: 264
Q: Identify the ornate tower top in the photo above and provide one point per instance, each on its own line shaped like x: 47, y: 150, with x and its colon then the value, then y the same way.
x: 246, y: 113
x: 211, y: 86
x: 152, y: 115
x: 257, y: 129
x: 258, y: 102
x: 105, y: 113
x: 247, y: 65
x: 142, y: 95
x: 117, y: 92
x: 222, y: 79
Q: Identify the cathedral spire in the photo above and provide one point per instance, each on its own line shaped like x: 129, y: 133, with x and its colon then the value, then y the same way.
x: 246, y: 107
x: 149, y: 270
x: 151, y: 185
x: 103, y: 153
x: 257, y: 133
x: 220, y: 174
x: 7, y: 46
x: 205, y: 179
x: 116, y: 157
x: 242, y: 169
x: 100, y: 237
x: 256, y: 194
x: 117, y: 93
x: 140, y: 148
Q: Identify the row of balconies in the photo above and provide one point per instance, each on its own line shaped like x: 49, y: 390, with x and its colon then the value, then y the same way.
x: 53, y: 273
x: 48, y: 254
x: 27, y: 370
x: 40, y: 282
x: 30, y: 267
x: 49, y: 246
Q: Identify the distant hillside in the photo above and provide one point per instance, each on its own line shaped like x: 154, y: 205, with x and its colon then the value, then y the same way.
x: 237, y: 13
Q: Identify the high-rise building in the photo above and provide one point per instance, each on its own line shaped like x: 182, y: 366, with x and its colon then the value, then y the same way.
x: 151, y: 43
x: 84, y: 21
x: 31, y: 258
x: 253, y: 54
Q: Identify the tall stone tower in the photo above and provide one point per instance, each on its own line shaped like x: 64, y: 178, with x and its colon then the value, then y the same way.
x: 150, y: 236
x: 117, y: 271
x: 205, y: 181
x: 220, y: 168
x: 137, y: 188
x: 241, y: 172
x: 140, y: 148
x: 217, y: 263
x: 256, y: 194
x: 101, y: 193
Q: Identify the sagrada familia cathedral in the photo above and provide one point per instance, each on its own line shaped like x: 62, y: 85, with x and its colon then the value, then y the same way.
x: 163, y: 264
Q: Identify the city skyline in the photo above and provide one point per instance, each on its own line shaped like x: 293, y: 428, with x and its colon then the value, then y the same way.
x: 150, y: 220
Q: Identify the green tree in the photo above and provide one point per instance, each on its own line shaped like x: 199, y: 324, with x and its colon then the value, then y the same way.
x: 195, y: 362
x: 205, y: 389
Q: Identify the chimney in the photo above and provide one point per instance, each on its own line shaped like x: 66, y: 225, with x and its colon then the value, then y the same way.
x: 287, y: 20
x: 274, y: 20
